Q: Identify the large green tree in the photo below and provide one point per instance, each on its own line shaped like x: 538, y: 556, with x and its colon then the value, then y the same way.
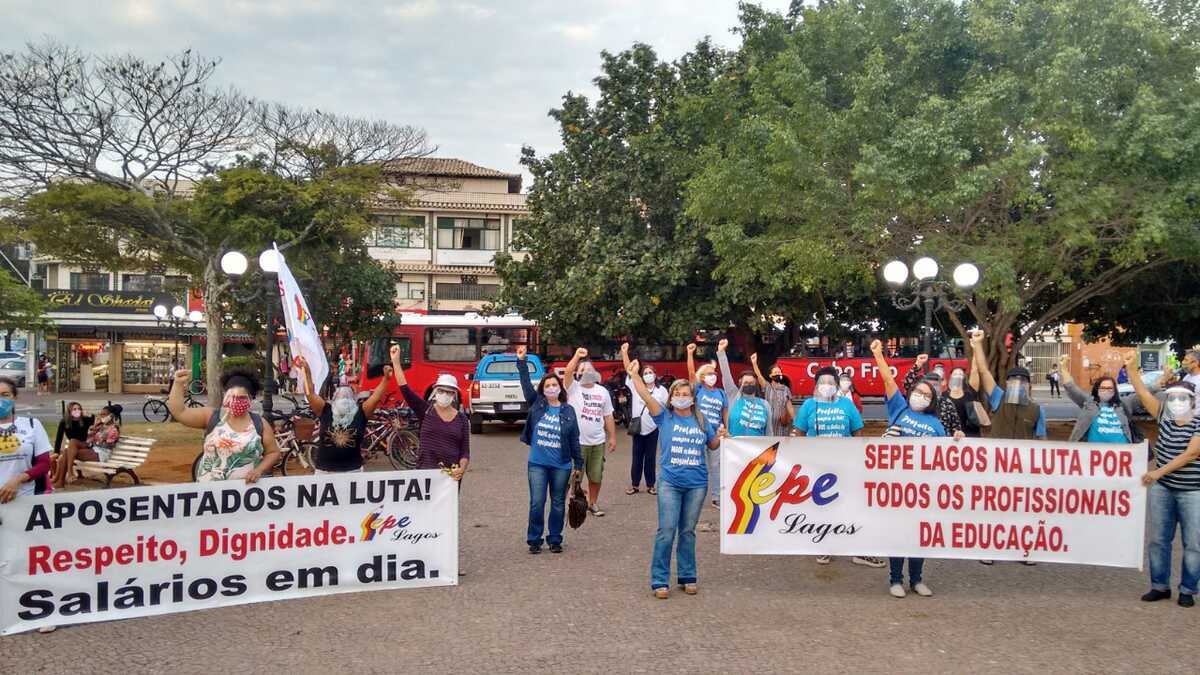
x: 117, y: 161
x: 21, y: 308
x: 1053, y: 143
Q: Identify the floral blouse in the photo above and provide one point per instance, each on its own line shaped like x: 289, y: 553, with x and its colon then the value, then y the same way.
x: 103, y: 435
x: 229, y: 454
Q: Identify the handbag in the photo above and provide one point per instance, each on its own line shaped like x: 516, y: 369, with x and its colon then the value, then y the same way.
x: 577, y: 506
x: 635, y: 426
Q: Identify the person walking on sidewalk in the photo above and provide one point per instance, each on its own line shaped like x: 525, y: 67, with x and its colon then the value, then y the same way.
x: 642, y: 427
x: 597, y: 431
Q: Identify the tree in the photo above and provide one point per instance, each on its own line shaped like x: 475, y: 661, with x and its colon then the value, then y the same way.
x: 1052, y: 143
x: 1160, y: 306
x: 104, y: 156
x: 21, y: 308
x: 610, y: 250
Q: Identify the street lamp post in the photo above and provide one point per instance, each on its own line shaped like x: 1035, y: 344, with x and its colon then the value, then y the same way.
x: 235, y: 264
x: 176, y: 317
x: 927, y: 291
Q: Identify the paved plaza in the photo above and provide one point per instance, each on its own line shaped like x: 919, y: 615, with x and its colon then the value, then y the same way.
x: 590, y: 610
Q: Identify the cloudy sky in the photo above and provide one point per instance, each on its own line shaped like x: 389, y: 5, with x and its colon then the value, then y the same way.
x: 478, y: 76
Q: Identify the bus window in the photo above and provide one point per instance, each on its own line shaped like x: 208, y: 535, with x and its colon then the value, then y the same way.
x: 450, y: 344
x: 500, y: 340
x: 379, y: 354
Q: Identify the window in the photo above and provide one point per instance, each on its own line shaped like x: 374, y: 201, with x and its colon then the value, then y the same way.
x: 467, y: 291
x: 450, y: 344
x: 500, y: 340
x: 410, y: 290
x: 398, y: 232
x: 468, y: 234
x: 89, y: 281
x: 379, y: 354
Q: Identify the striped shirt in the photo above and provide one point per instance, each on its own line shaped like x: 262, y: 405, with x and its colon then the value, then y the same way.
x: 1173, y: 439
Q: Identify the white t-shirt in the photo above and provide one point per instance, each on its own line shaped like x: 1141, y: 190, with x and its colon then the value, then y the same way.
x: 17, y: 451
x: 659, y: 393
x: 591, y: 407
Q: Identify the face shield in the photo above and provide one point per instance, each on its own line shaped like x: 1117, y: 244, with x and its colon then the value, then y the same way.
x: 826, y: 389
x: 344, y: 406
x: 1016, y: 391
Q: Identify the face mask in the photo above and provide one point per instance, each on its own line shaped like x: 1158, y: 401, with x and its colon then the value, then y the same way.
x: 749, y: 389
x: 1105, y: 396
x: 589, y: 377
x: 956, y: 381
x: 1177, y: 407
x: 918, y: 402
x: 6, y: 407
x: 648, y: 378
x: 777, y: 378
x: 1015, y: 393
x: 681, y: 402
x: 238, y: 406
x: 76, y: 414
x: 844, y: 386
x: 826, y: 392
x: 710, y: 380
x: 941, y: 372
x: 551, y: 392
x: 443, y: 399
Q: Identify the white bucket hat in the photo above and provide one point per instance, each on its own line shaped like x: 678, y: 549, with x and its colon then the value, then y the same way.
x: 446, y: 381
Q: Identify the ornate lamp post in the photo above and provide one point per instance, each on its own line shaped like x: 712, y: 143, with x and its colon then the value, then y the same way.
x: 926, y: 290
x: 235, y: 265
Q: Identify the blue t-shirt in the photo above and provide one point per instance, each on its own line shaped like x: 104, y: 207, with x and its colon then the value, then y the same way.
x: 838, y: 418
x: 712, y: 404
x: 909, y: 423
x: 545, y: 448
x: 997, y: 400
x: 682, y: 449
x: 748, y: 417
x: 1107, y: 427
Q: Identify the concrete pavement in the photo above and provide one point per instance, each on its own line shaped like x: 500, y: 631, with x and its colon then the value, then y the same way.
x: 590, y: 610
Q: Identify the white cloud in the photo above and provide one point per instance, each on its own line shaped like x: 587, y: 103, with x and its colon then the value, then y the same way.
x: 473, y: 10
x: 416, y: 9
x: 578, y: 32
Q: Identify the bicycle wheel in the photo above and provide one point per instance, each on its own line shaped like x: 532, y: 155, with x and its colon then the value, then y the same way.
x: 402, y: 450
x: 196, y: 467
x: 193, y: 403
x: 196, y: 387
x: 155, y: 410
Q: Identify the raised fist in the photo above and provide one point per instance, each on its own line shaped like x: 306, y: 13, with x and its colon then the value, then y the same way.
x: 922, y: 359
x: 977, y: 337
x: 1131, y: 361
x: 183, y: 376
x: 521, y: 351
x: 633, y: 369
x: 691, y: 349
x: 625, y: 348
x: 394, y: 352
x: 876, y: 347
x: 722, y: 345
x: 581, y: 353
x: 754, y: 358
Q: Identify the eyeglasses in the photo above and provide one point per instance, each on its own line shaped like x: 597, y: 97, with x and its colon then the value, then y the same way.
x: 7, y: 394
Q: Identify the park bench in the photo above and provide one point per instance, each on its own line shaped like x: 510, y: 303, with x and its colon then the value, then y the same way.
x: 129, y: 454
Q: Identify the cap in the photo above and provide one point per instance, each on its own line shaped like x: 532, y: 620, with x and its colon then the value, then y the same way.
x: 1020, y: 372
x: 447, y: 381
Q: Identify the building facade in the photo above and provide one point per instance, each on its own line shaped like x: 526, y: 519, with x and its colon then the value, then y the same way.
x: 444, y: 238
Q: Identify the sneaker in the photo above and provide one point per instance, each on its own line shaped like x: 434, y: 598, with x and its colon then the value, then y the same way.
x: 1187, y: 600
x: 535, y: 548
x: 51, y: 629
x: 867, y: 561
x: 1156, y: 595
x: 985, y: 562
x: 897, y: 591
x: 662, y: 593
x: 922, y: 590
x: 691, y: 589
x: 598, y: 512
x: 556, y: 548
x: 824, y: 559
x: 1028, y: 563
x: 716, y: 503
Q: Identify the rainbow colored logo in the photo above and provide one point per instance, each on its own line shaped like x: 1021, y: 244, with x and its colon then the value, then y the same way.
x: 746, y: 507
x: 301, y: 315
x: 375, y: 523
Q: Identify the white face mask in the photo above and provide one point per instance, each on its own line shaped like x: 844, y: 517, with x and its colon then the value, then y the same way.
x: 844, y: 386
x: 1179, y: 407
x: 443, y: 399
x: 551, y: 392
x: 589, y: 377
x: 710, y: 380
x: 1105, y: 396
x: 681, y: 402
x: 826, y: 392
x: 918, y: 402
x: 648, y: 378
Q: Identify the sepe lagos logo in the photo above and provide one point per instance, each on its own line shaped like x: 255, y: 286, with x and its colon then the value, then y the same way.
x: 752, y: 491
x: 376, y: 524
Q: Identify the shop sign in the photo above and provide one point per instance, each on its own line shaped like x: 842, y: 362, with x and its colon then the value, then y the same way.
x: 108, y: 302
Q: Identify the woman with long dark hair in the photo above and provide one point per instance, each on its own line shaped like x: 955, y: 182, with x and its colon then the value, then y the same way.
x: 237, y: 445
x: 74, y: 429
x: 1103, y: 416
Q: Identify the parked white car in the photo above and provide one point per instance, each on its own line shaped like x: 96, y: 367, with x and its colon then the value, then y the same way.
x: 14, y: 369
x: 1126, y: 389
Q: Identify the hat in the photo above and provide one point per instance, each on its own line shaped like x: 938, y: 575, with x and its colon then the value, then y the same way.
x: 446, y: 381
x: 1181, y: 387
x: 1020, y: 372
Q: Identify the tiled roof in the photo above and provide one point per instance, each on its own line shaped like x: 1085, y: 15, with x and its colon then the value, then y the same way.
x: 463, y: 201
x: 444, y: 166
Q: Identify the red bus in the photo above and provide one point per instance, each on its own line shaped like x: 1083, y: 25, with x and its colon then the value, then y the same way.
x: 801, y: 371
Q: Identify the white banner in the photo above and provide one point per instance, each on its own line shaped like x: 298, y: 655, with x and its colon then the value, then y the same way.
x: 934, y: 498
x: 76, y: 557
x: 304, y: 338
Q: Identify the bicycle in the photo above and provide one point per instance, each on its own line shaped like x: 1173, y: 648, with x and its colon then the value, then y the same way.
x: 155, y: 408
x: 393, y: 433
x: 296, y: 452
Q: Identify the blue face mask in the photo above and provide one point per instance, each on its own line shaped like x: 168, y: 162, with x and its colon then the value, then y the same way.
x: 6, y: 407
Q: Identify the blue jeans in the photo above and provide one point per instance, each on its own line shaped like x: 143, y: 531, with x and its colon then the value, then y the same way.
x: 1170, y: 508
x: 543, y: 479
x: 896, y: 568
x: 678, y: 511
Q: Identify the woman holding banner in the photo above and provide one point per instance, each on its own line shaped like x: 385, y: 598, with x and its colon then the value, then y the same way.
x: 684, y: 435
x: 915, y: 416
x: 236, y: 442
x: 1174, y: 486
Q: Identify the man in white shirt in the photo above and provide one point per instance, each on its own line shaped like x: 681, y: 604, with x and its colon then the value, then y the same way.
x: 597, y: 430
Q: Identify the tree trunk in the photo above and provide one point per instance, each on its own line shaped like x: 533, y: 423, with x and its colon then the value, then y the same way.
x: 215, y: 332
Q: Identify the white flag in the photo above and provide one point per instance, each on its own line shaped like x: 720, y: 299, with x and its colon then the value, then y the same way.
x: 304, y: 338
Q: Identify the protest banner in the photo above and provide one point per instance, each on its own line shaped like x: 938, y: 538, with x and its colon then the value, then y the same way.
x: 76, y: 557
x: 934, y: 498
